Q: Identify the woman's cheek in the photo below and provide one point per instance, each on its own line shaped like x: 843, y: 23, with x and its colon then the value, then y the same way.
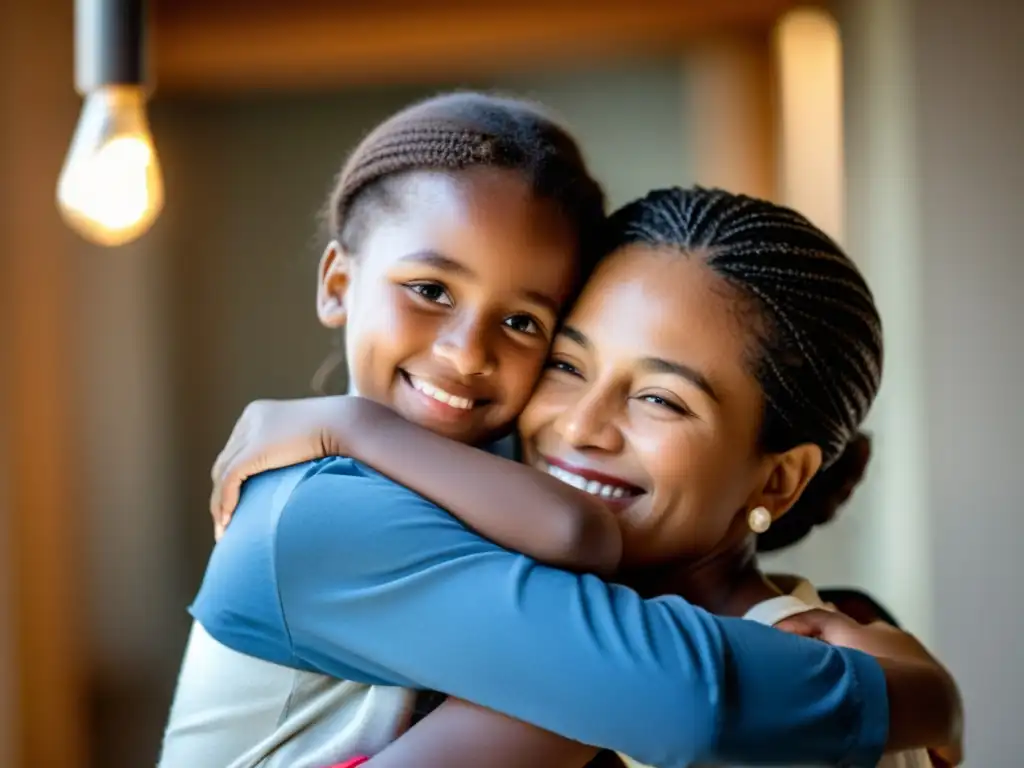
x: 539, y: 413
x: 549, y: 399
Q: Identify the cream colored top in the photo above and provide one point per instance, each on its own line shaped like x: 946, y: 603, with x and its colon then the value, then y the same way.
x: 235, y: 711
x: 801, y: 598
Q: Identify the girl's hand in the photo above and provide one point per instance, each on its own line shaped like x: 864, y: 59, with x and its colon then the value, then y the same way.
x: 877, y: 638
x: 884, y: 641
x: 271, y: 434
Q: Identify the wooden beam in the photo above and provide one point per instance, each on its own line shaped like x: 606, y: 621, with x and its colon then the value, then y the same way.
x: 217, y: 46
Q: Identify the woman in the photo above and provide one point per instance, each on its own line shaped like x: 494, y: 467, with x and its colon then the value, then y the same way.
x: 718, y: 358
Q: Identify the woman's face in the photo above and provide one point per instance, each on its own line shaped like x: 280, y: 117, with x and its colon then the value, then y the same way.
x: 649, y: 401
x: 451, y: 304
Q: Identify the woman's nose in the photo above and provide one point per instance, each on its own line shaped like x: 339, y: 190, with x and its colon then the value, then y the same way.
x: 590, y: 422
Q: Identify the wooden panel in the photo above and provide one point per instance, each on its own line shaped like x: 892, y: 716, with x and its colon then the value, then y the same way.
x: 40, y: 513
x: 228, y: 45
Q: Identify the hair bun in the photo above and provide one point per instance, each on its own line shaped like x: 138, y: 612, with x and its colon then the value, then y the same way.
x: 821, y: 500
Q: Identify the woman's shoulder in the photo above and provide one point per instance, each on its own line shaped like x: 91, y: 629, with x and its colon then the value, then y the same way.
x: 858, y: 604
x: 796, y: 595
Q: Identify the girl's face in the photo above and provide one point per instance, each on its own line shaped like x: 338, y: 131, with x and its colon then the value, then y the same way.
x: 649, y: 401
x: 451, y: 304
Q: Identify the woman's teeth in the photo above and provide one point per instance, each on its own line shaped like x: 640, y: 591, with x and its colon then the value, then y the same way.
x: 440, y: 395
x: 590, y: 486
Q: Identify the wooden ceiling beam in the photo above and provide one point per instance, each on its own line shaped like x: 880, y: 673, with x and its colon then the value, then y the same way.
x: 230, y: 46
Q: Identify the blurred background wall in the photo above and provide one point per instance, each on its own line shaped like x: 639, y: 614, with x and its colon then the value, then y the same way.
x: 895, y: 124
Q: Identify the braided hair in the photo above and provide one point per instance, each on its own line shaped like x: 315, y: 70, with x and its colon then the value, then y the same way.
x: 818, y: 336
x: 457, y: 131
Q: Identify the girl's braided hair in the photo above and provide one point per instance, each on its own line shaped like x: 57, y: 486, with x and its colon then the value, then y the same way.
x: 457, y: 131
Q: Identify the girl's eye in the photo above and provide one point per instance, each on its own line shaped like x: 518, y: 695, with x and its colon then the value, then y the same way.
x: 564, y: 367
x: 662, y: 402
x: 432, y: 292
x: 523, y: 324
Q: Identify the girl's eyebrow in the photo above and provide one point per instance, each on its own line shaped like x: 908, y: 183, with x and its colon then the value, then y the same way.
x: 437, y: 260
x: 539, y: 299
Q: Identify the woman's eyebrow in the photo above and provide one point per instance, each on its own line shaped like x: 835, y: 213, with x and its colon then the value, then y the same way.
x: 695, y: 377
x: 575, y: 334
x: 654, y: 364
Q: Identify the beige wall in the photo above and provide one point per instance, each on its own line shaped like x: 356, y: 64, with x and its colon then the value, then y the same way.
x: 970, y: 142
x: 936, y: 163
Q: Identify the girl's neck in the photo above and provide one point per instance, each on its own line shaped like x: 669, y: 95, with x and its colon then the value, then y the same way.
x: 726, y: 582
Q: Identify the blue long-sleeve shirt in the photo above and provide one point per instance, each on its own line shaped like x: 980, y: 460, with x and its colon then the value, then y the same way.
x: 330, y: 567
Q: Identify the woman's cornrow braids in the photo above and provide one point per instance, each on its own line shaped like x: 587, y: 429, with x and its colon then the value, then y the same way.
x: 819, y: 350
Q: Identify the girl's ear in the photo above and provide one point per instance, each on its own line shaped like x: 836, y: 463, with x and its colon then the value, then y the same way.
x: 333, y: 280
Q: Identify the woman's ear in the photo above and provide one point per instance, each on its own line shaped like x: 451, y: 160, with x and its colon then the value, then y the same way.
x: 333, y: 280
x: 787, y: 478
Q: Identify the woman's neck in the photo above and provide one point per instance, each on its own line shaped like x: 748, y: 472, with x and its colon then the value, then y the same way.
x: 726, y: 582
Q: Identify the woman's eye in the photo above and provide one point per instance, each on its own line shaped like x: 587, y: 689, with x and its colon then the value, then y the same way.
x: 662, y: 402
x: 564, y: 367
x: 523, y: 324
x: 432, y: 292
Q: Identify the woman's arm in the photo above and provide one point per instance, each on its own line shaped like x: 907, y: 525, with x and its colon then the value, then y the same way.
x: 460, y: 735
x: 518, y: 507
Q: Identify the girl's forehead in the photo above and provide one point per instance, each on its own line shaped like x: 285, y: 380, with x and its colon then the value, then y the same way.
x: 487, y: 229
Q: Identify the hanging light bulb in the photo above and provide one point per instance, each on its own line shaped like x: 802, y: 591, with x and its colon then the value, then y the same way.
x: 110, y: 190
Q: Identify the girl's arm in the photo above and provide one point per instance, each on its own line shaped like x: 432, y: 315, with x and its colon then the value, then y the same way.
x: 513, y: 505
x: 864, y: 609
x: 925, y: 707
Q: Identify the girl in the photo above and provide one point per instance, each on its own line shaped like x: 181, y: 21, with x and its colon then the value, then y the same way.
x: 491, y: 199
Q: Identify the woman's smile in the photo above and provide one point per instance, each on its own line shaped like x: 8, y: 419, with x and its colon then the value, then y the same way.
x: 616, y: 491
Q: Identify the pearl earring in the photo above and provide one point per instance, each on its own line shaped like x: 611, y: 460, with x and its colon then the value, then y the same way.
x: 759, y: 519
